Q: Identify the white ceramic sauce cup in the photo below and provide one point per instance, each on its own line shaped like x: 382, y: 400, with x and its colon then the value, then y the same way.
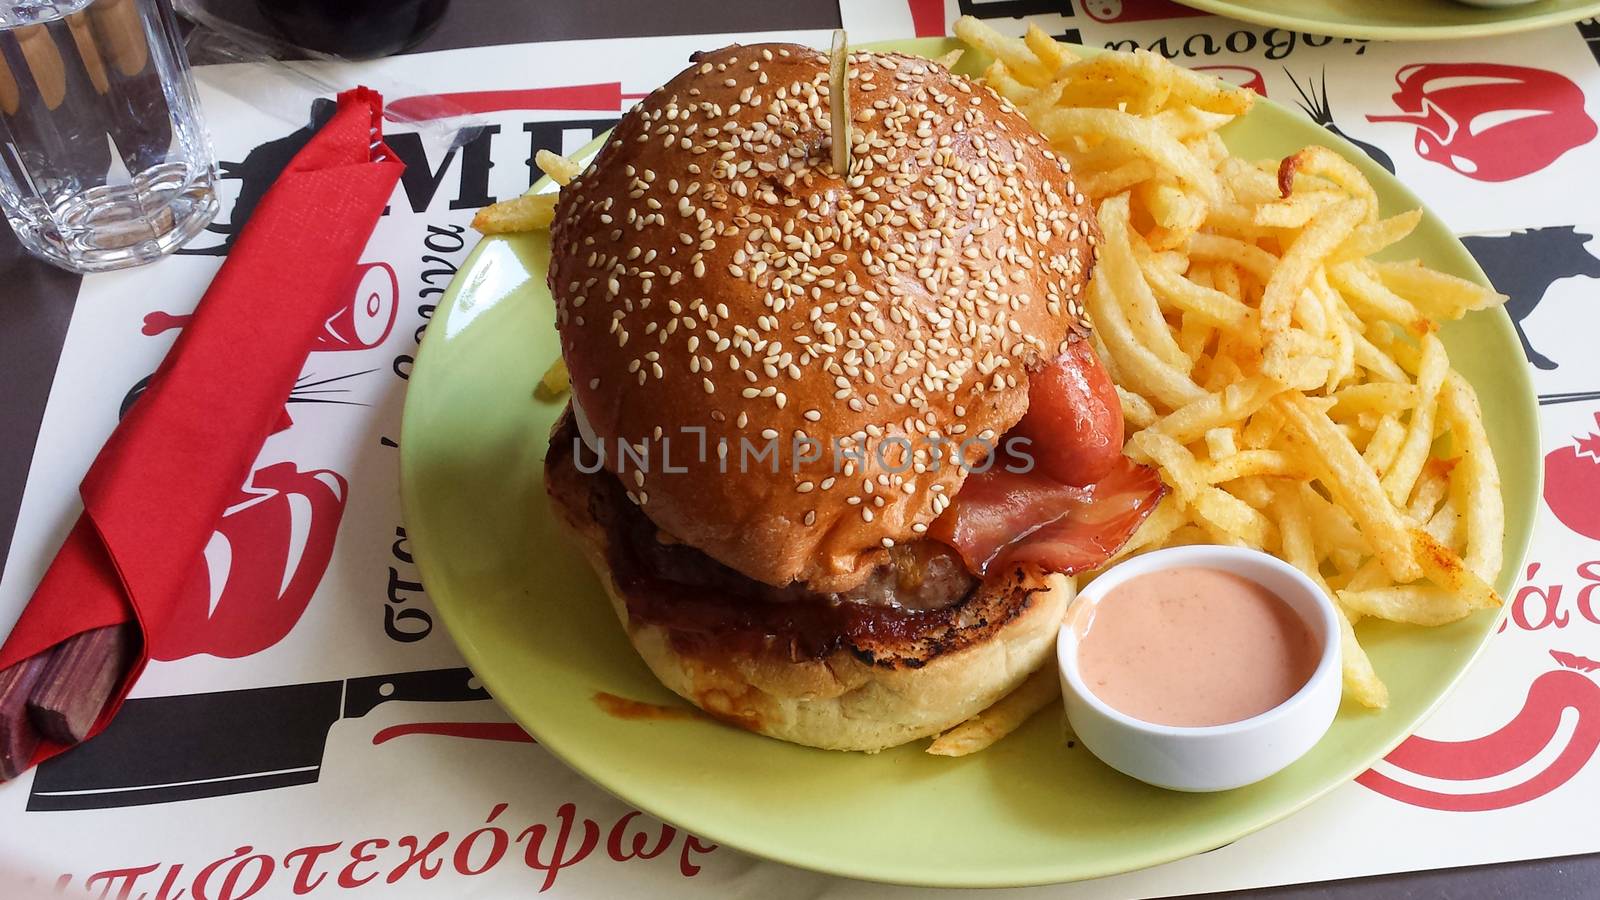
x: 1211, y: 757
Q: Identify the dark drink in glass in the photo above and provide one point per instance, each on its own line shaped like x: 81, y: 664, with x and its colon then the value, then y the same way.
x: 354, y: 29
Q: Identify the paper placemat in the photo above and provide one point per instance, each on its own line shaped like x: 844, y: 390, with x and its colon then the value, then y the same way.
x: 416, y: 799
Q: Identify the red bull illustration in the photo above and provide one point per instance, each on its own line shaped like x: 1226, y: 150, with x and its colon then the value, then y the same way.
x: 1501, y: 753
x: 1489, y: 121
x: 262, y: 565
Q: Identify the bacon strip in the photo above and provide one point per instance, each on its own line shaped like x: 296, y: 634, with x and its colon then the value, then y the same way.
x: 1002, y: 518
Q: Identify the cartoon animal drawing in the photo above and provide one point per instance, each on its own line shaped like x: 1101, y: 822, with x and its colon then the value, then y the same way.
x: 256, y: 173
x: 1523, y: 265
x: 1315, y: 103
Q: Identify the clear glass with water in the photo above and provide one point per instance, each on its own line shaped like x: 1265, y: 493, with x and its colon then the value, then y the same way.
x: 104, y: 159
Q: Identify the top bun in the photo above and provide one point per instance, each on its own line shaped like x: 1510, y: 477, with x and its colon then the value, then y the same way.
x: 712, y: 271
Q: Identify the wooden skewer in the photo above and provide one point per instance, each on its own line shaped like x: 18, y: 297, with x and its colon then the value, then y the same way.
x: 839, y: 101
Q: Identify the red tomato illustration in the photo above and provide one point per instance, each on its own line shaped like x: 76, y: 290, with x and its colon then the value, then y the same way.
x: 1572, y: 484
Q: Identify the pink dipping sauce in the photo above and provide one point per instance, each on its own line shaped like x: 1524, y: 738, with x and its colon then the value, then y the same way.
x: 1194, y: 646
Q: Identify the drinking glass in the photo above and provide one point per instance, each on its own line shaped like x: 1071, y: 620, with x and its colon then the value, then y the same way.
x: 104, y: 160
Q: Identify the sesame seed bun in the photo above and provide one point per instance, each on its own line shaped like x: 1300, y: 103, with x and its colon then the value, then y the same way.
x: 862, y: 692
x: 712, y: 271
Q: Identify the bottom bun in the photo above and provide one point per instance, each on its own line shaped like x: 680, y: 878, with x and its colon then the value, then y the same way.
x: 857, y: 694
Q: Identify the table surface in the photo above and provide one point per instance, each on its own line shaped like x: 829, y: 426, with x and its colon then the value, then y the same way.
x: 34, y: 318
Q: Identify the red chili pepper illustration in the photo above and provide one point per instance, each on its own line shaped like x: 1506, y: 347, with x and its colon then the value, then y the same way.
x: 261, y: 567
x: 361, y: 324
x: 1572, y: 484
x: 1513, y: 745
x: 1489, y: 121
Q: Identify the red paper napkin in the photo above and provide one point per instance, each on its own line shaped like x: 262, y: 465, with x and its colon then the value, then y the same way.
x: 161, y: 483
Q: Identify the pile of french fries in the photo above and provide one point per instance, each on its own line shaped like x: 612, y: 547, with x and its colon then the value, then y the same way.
x: 1292, y: 391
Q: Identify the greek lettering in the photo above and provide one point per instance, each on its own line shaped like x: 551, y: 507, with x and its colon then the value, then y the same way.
x: 129, y: 877
x: 303, y: 884
x: 497, y: 849
x: 168, y: 883
x: 241, y: 859
x: 358, y: 855
x: 1549, y: 599
x: 419, y: 858
x: 691, y: 846
x: 559, y: 859
x: 1590, y: 572
x: 636, y: 848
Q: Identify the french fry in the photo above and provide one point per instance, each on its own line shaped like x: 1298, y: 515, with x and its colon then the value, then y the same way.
x: 1120, y: 273
x: 560, y: 169
x: 1382, y: 397
x: 1220, y: 442
x: 1013, y: 53
x: 1251, y: 464
x: 1141, y: 369
x: 1445, y: 567
x: 1324, y: 163
x: 1401, y: 476
x: 1190, y: 422
x: 1384, y: 445
x: 1475, y: 481
x: 1038, y: 691
x: 1137, y: 135
x: 1105, y: 183
x: 1374, y: 236
x: 1212, y: 306
x: 1409, y: 603
x: 1439, y: 295
x: 1136, y: 410
x: 1433, y: 487
x: 1356, y: 487
x: 556, y: 381
x: 1366, y: 294
x: 1326, y: 231
x: 1051, y: 53
x: 530, y: 212
x: 1258, y: 262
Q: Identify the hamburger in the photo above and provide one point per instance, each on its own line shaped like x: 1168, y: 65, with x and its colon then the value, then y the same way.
x: 837, y: 442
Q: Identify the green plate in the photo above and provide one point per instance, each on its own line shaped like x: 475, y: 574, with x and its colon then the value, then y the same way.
x: 534, y: 624
x: 1401, y: 20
